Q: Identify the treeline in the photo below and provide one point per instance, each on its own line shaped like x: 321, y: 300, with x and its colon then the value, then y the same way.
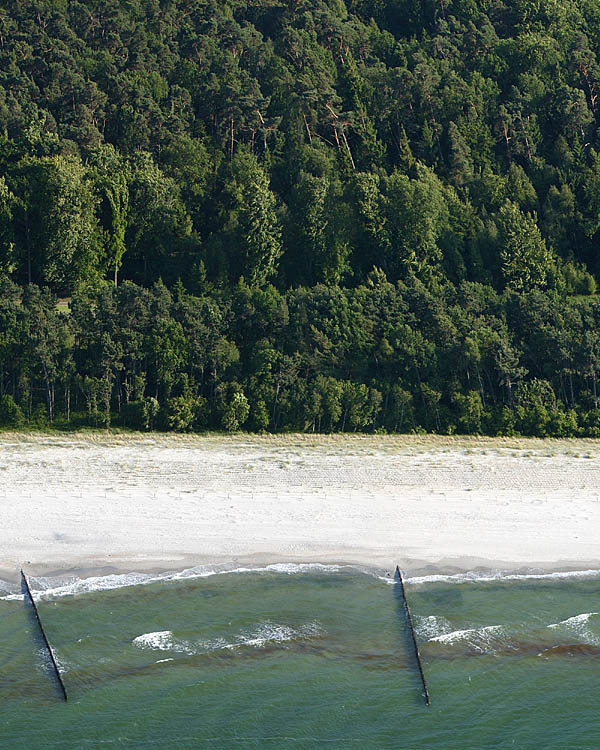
x: 300, y: 214
x: 379, y: 357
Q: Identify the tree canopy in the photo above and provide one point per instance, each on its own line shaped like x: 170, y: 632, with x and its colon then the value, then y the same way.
x: 308, y: 215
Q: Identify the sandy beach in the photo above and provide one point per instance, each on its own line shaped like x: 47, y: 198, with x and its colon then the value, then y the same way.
x: 152, y: 502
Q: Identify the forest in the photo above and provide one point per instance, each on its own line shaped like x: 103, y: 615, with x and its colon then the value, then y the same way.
x: 300, y: 215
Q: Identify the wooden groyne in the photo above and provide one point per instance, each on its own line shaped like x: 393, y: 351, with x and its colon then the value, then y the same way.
x: 398, y: 576
x: 45, y: 639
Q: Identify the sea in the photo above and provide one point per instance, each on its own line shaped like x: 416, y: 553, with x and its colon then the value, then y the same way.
x: 303, y: 656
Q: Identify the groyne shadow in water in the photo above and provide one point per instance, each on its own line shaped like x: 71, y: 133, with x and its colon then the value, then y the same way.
x: 44, y: 649
x: 409, y: 636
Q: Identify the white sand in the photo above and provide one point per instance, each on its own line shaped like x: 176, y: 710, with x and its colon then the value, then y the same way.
x: 154, y: 502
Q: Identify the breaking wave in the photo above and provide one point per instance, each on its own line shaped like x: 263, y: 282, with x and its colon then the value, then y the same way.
x: 264, y: 633
x: 56, y: 587
x: 473, y: 576
x: 579, y: 625
x: 482, y: 640
x: 50, y: 588
x: 431, y: 626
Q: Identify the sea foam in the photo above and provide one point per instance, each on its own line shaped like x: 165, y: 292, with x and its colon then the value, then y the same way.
x: 431, y: 626
x: 481, y: 640
x: 259, y: 636
x: 579, y: 625
x: 56, y: 587
x: 52, y: 588
x: 472, y: 576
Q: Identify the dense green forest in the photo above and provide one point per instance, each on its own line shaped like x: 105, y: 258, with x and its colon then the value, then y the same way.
x: 378, y: 215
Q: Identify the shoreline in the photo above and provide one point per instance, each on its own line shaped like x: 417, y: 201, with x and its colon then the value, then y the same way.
x: 156, y: 502
x: 411, y: 568
x: 474, y: 570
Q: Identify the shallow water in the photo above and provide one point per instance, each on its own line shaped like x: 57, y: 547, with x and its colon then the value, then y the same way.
x: 303, y: 657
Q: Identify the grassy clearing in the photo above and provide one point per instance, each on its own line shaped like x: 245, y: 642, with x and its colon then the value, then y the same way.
x: 63, y: 305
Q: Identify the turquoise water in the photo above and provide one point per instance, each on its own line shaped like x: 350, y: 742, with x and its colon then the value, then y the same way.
x: 303, y: 657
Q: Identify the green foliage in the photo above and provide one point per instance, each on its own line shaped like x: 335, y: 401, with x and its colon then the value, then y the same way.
x: 469, y: 412
x: 233, y: 406
x: 11, y: 413
x: 260, y: 230
x: 39, y: 416
x: 55, y: 225
x: 369, y: 142
x: 184, y: 413
x: 150, y: 410
x: 353, y: 215
x: 524, y: 256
